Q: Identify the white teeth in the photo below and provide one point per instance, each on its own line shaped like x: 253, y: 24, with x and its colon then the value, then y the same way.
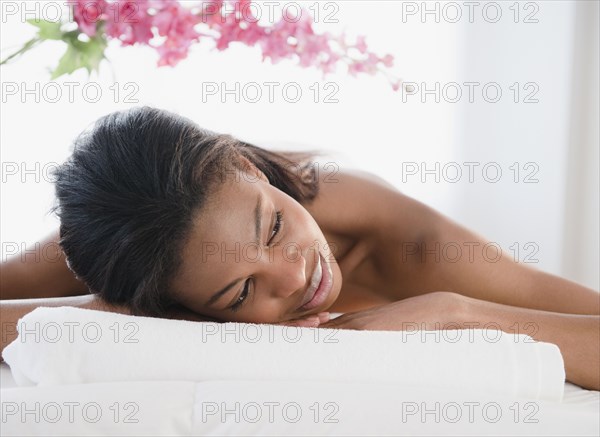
x: 316, y: 279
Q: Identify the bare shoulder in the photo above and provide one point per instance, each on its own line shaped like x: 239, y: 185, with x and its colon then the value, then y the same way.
x: 340, y: 206
x: 360, y: 203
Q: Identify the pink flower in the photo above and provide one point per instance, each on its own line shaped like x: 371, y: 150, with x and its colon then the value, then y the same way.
x: 171, y: 54
x: 361, y: 44
x: 226, y: 22
x: 87, y: 13
x: 232, y: 29
x: 129, y: 21
x: 388, y: 61
x: 176, y: 23
x: 210, y: 11
x: 286, y: 39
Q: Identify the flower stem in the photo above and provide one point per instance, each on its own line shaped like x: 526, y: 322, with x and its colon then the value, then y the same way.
x: 27, y: 46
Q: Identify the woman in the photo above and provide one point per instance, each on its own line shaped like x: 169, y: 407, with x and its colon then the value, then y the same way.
x: 160, y: 217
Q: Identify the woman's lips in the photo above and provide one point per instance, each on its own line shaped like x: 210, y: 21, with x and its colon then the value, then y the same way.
x: 323, y: 289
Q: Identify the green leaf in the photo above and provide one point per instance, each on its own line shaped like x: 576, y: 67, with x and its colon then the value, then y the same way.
x: 47, y: 29
x: 67, y: 64
x: 87, y: 53
x: 80, y: 54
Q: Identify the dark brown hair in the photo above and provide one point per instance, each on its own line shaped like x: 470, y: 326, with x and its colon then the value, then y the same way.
x: 128, y: 195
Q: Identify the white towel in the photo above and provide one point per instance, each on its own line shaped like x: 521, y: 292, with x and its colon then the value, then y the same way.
x: 70, y: 345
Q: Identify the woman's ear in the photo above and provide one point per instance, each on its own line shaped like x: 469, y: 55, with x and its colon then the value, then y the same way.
x: 249, y: 168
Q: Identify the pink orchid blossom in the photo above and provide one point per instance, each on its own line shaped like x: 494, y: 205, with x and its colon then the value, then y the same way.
x: 87, y: 13
x: 183, y: 24
x: 129, y: 22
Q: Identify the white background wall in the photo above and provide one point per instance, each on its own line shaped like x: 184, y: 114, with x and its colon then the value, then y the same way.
x: 370, y: 127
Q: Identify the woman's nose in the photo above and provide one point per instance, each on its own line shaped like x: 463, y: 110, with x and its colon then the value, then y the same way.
x: 288, y: 271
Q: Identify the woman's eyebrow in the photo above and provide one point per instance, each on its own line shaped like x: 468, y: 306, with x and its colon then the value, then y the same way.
x: 258, y: 218
x: 257, y: 229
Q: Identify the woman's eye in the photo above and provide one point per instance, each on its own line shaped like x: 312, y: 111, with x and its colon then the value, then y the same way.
x: 277, y: 226
x: 244, y: 295
x: 240, y: 301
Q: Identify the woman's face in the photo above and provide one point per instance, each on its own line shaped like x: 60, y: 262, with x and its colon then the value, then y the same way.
x: 251, y: 256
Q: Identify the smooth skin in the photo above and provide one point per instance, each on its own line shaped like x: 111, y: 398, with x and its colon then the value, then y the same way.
x: 386, y: 254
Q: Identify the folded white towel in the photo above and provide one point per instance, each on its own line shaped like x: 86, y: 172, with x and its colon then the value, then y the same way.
x: 70, y: 345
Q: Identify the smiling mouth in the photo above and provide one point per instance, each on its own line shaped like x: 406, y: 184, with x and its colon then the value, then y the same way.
x: 320, y: 286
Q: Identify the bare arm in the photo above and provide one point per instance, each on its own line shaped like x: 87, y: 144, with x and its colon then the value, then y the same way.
x: 416, y: 250
x: 492, y: 275
x: 39, y: 272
